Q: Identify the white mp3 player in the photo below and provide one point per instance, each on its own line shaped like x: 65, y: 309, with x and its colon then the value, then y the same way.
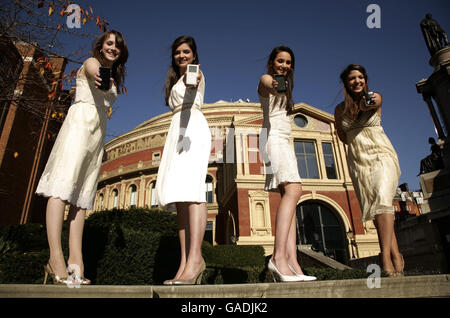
x: 191, y: 74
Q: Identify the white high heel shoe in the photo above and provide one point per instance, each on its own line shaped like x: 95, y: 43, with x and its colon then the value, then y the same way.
x: 304, y: 278
x: 284, y: 278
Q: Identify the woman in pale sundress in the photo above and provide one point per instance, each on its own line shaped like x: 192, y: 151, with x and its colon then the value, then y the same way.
x: 72, y: 170
x: 184, y: 163
x: 372, y: 162
x: 281, y: 168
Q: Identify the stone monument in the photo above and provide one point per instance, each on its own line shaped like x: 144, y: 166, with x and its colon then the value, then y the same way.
x: 424, y: 240
x: 436, y: 184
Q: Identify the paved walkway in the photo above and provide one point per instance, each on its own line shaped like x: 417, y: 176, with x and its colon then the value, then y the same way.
x: 403, y: 287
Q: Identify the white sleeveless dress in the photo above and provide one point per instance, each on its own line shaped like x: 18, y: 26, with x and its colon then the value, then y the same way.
x: 184, y: 163
x: 278, y: 152
x: 73, y: 167
x: 372, y: 162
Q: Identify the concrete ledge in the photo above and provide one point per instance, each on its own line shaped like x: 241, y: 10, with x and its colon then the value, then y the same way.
x: 395, y: 287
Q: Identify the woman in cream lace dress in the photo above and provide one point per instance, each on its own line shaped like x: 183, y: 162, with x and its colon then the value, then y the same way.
x: 184, y: 162
x: 372, y: 162
x: 72, y: 170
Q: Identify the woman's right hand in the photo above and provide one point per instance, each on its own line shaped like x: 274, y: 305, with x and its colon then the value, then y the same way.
x: 98, y: 80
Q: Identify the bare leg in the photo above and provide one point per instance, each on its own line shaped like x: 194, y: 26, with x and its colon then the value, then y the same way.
x: 385, y: 228
x: 183, y: 234
x: 54, y: 220
x: 283, y: 224
x: 198, y: 215
x: 76, y: 219
x: 397, y: 257
x: 292, y: 247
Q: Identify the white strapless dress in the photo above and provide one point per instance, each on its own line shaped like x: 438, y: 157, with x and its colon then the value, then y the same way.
x: 184, y: 162
x: 73, y: 167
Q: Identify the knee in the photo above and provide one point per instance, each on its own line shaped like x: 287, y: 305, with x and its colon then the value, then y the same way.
x: 294, y: 190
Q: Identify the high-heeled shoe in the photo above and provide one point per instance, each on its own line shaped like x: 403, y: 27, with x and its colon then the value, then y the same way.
x: 77, y: 279
x: 56, y: 279
x: 197, y: 280
x: 304, y: 278
x: 402, y: 271
x: 283, y: 278
x: 388, y: 273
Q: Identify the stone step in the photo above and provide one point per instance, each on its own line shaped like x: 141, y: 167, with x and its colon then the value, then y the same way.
x: 389, y: 287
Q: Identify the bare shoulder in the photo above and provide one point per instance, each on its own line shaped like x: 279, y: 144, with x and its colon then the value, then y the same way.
x: 265, y: 85
x: 266, y: 80
x: 92, y: 62
x: 91, y: 66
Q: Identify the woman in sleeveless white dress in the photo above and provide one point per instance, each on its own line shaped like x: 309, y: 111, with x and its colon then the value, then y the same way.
x: 281, y: 168
x: 184, y: 162
x: 72, y: 170
x: 372, y: 162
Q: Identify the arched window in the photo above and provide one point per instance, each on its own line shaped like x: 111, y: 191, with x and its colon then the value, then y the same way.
x: 209, y: 189
x: 133, y: 196
x: 115, y: 194
x: 319, y: 227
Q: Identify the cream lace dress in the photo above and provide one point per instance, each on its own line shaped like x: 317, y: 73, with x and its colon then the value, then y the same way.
x: 184, y: 163
x: 372, y: 162
x: 73, y: 167
x: 281, y: 162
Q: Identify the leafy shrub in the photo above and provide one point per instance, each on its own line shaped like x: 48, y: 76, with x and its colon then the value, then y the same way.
x: 135, y: 247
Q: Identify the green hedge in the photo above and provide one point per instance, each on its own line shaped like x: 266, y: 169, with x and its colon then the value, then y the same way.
x: 135, y: 247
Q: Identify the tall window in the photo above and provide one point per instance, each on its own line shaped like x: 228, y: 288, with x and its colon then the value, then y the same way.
x: 100, y: 205
x: 133, y: 195
x: 209, y: 189
x: 115, y: 198
x: 209, y: 232
x: 330, y: 164
x: 153, y: 203
x: 319, y: 227
x: 306, y: 159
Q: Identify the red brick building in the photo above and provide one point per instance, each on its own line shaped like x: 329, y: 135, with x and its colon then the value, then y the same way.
x: 29, y: 123
x: 239, y: 210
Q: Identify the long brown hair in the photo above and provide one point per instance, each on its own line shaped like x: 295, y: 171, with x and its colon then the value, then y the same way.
x: 173, y: 75
x: 118, y: 68
x: 351, y: 101
x: 290, y: 74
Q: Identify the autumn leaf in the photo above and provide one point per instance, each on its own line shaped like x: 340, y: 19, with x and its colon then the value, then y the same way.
x: 58, y: 26
x: 52, y: 94
x: 84, y: 21
x: 62, y: 12
x: 50, y: 11
x: 16, y: 154
x: 98, y: 21
x: 92, y: 11
x: 109, y: 112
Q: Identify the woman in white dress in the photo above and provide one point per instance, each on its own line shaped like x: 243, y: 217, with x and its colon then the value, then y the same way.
x: 72, y: 170
x: 281, y: 170
x: 184, y: 163
x: 372, y: 162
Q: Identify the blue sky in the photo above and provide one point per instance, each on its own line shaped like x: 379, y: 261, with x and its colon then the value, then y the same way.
x: 234, y: 39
